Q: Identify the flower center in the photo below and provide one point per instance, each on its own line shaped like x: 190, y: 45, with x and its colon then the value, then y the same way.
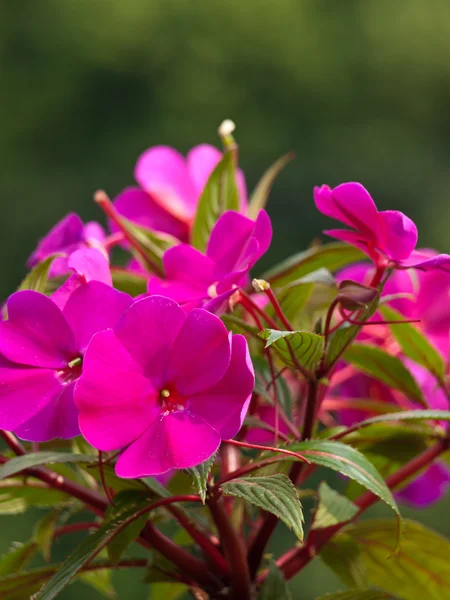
x: 70, y: 373
x: 171, y: 400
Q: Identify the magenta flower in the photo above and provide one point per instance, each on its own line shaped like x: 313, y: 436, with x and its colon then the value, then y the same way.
x: 66, y: 236
x: 168, y: 396
x: 386, y: 236
x: 170, y: 188
x: 87, y: 264
x: 41, y: 348
x: 196, y: 279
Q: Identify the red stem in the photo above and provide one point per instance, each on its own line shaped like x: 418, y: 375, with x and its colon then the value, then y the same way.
x: 268, y: 449
x: 279, y: 311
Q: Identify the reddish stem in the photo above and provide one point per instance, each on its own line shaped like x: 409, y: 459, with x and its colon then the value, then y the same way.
x: 267, y: 449
x: 277, y: 307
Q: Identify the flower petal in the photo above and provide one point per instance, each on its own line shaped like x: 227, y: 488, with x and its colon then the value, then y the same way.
x: 225, y: 404
x: 162, y: 173
x: 397, y: 235
x: 57, y: 419
x: 177, y: 440
x: 24, y: 392
x: 36, y: 332
x: 138, y: 206
x: 200, y: 355
x: 116, y: 402
x: 148, y: 330
x: 425, y: 263
x: 187, y: 264
x: 93, y: 307
x: 178, y: 291
x: 428, y: 487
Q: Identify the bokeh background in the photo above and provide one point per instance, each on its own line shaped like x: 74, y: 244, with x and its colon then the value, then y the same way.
x: 358, y: 90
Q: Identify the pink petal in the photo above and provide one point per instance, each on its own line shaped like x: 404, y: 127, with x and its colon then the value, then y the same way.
x: 200, y: 355
x: 57, y: 419
x: 139, y: 207
x: 36, y: 332
x: 255, y: 435
x: 416, y: 261
x: 148, y: 330
x: 201, y: 162
x: 225, y: 404
x: 162, y: 173
x: 397, y: 235
x: 351, y: 204
x: 94, y: 307
x: 180, y: 292
x: 428, y: 488
x: 93, y: 232
x: 176, y: 440
x: 355, y: 238
x: 186, y: 264
x: 24, y: 392
x: 116, y: 402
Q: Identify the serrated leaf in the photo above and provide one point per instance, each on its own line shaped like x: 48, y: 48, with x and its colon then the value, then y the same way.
x: 420, y: 568
x: 341, y: 339
x: 275, y: 494
x: 35, y: 459
x: 44, y: 532
x: 122, y: 540
x: 347, y: 461
x: 121, y: 515
x: 355, y: 595
x: 37, y: 278
x: 332, y: 256
x: 405, y: 415
x: 414, y: 344
x: 16, y: 498
x: 16, y: 558
x: 386, y: 368
x: 296, y: 347
x: 275, y: 585
x: 18, y: 586
x: 333, y: 508
x: 262, y: 190
x: 200, y: 474
x: 341, y: 554
x: 128, y: 282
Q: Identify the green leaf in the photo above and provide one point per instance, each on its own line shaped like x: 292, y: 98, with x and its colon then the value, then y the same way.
x: 167, y: 591
x: 420, y: 568
x: 355, y: 595
x: 341, y: 554
x: 275, y: 585
x: 347, y: 461
x: 405, y: 415
x: 332, y: 256
x: 122, y: 540
x: 263, y: 387
x: 262, y: 190
x: 16, y: 498
x: 44, y: 532
x: 35, y: 459
x: 126, y: 281
x: 386, y: 368
x: 219, y: 195
x: 121, y: 515
x: 200, y: 474
x: 296, y: 347
x: 38, y: 276
x: 414, y: 344
x: 275, y: 494
x: 18, y: 586
x: 100, y: 580
x: 16, y: 558
x: 333, y: 508
x: 344, y: 336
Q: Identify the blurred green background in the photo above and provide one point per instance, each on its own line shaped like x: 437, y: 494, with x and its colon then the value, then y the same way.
x: 358, y: 90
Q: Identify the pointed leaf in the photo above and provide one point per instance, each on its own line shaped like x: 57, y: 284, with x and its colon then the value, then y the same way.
x: 356, y: 595
x: 296, y: 347
x: 200, y: 474
x: 44, y: 532
x: 262, y: 190
x: 100, y: 580
x: 220, y: 194
x: 405, y: 415
x: 275, y: 585
x: 275, y: 494
x: 332, y: 256
x: 128, y: 282
x: 35, y: 459
x: 167, y: 591
x: 333, y: 508
x: 37, y: 278
x: 16, y: 558
x: 414, y: 344
x: 342, y: 555
x: 385, y: 367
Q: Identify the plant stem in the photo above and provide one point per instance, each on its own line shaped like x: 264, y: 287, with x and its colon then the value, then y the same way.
x: 296, y: 559
x: 234, y: 549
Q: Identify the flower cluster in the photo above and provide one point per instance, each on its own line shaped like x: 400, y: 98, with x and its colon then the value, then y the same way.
x: 161, y: 375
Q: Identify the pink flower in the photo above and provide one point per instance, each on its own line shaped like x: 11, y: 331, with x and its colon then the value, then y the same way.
x: 41, y: 348
x: 170, y: 188
x: 386, y: 236
x: 66, y: 236
x: 195, y: 279
x: 165, y: 386
x: 258, y: 435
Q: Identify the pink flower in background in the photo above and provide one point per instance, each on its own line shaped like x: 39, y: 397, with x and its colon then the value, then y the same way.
x: 194, y: 279
x: 66, y: 236
x: 41, y: 347
x: 170, y: 187
x: 258, y: 435
x: 386, y: 236
x: 167, y: 397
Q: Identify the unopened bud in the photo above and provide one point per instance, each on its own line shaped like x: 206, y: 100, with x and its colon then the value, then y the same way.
x: 226, y: 128
x: 260, y: 285
x: 353, y: 295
